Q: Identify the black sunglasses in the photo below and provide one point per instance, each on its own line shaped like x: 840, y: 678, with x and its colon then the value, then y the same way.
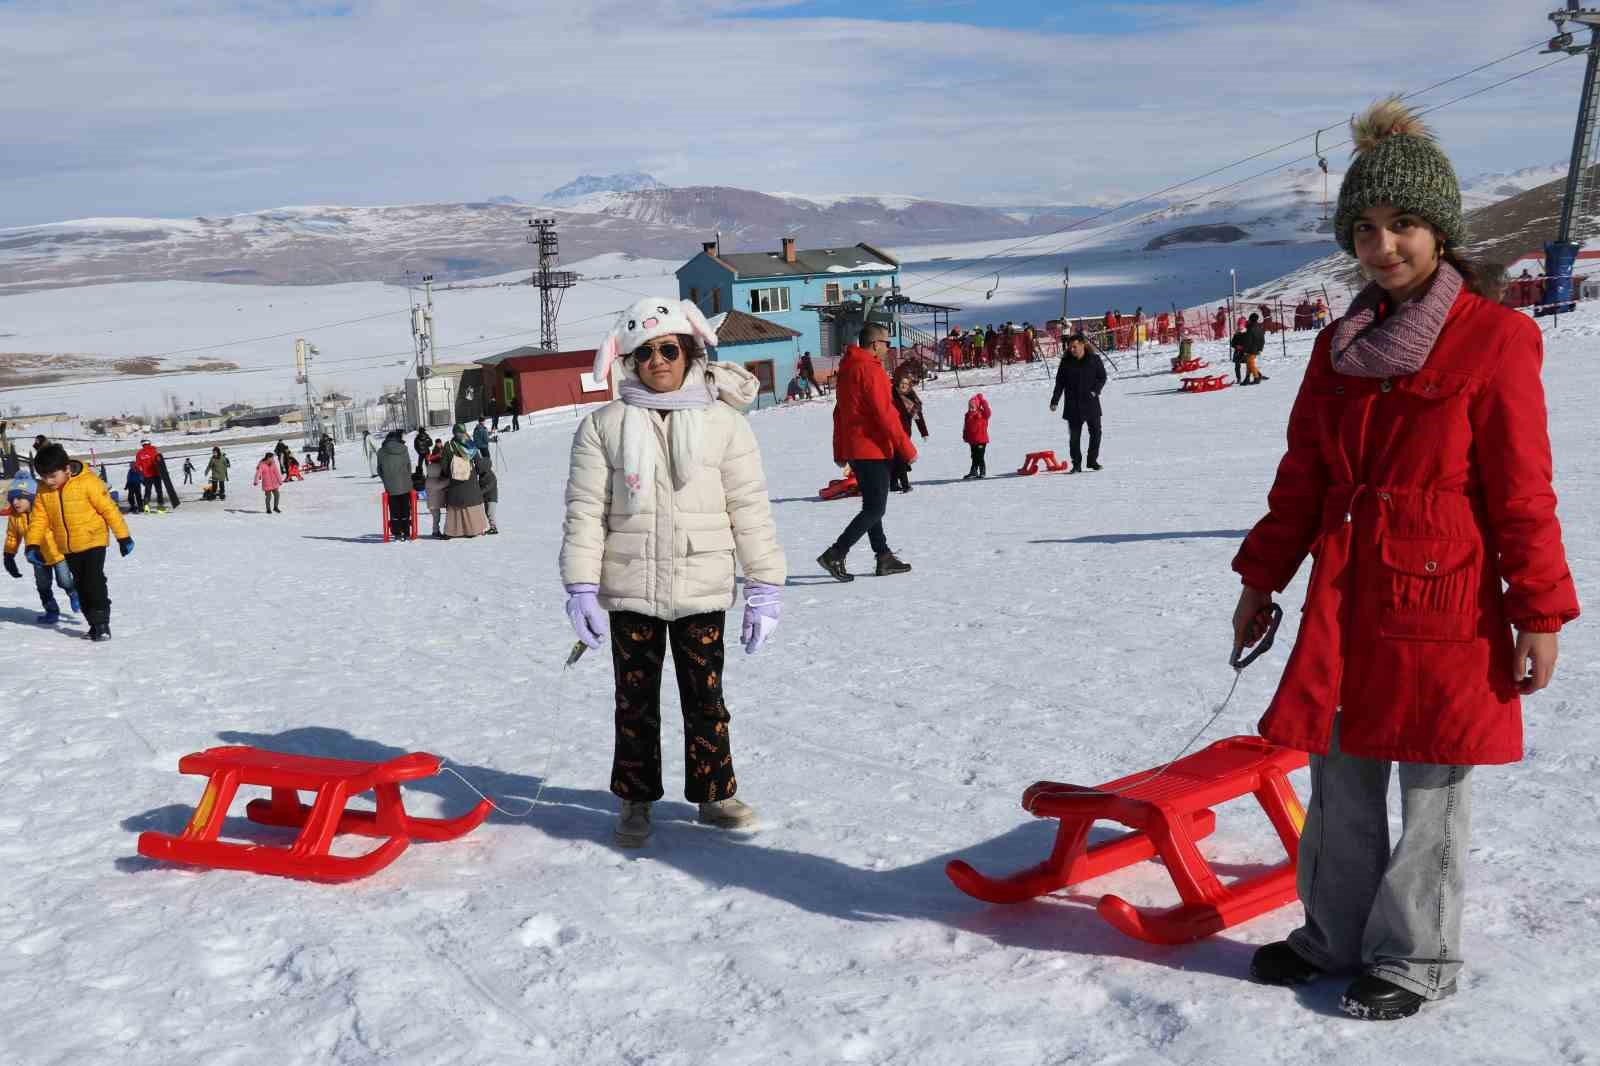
x: 668, y: 351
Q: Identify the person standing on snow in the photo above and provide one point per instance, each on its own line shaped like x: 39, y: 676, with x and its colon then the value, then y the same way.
x: 436, y: 483
x: 1080, y: 378
x: 666, y: 492
x: 1255, y: 342
x: 49, y: 565
x: 908, y: 405
x: 188, y: 470
x: 868, y: 436
x: 480, y: 438
x: 489, y: 486
x: 271, y: 482
x: 463, y: 498
x: 217, y: 472
x: 394, y: 466
x: 1418, y: 476
x: 975, y: 431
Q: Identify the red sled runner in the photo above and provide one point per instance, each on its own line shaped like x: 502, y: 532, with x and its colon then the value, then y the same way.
x: 1188, y: 366
x: 333, y: 781
x: 1168, y: 812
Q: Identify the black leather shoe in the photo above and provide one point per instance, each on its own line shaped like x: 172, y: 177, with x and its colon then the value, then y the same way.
x: 1376, y: 1000
x: 834, y: 565
x: 1279, y: 964
x: 888, y: 565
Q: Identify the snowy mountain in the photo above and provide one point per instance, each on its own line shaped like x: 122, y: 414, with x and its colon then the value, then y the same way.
x: 589, y: 184
x: 1481, y: 190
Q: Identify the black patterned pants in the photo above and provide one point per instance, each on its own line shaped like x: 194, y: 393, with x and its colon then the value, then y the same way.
x: 638, y: 654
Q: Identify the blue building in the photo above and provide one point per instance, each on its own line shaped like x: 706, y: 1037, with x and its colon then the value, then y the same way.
x: 787, y: 288
x: 761, y: 346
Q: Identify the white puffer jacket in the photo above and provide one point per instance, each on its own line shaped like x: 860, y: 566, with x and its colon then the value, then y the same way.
x: 675, y: 556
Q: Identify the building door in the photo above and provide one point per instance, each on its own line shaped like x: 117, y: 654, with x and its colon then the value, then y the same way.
x: 763, y: 370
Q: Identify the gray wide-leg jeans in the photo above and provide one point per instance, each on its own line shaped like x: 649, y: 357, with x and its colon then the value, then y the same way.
x: 1395, y: 913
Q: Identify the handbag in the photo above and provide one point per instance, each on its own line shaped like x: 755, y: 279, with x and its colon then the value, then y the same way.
x: 460, y: 468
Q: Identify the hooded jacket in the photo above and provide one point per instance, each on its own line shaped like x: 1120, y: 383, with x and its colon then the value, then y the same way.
x: 17, y: 534
x: 268, y: 476
x: 975, y: 427
x: 394, y: 466
x: 676, y: 555
x: 77, y: 515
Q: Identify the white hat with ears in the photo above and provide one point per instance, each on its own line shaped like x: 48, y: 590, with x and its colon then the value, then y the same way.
x: 646, y: 320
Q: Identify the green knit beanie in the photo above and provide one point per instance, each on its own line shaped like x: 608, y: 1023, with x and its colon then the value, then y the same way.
x: 1397, y: 163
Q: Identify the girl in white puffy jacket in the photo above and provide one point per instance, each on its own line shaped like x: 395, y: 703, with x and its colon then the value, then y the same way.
x: 666, y: 492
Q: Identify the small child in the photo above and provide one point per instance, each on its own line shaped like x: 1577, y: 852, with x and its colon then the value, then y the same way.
x: 76, y: 512
x: 975, y: 431
x: 271, y: 481
x: 436, y: 474
x: 134, y: 485
x: 19, y: 501
x: 188, y: 471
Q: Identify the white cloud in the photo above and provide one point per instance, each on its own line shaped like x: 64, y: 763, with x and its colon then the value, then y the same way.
x: 118, y: 109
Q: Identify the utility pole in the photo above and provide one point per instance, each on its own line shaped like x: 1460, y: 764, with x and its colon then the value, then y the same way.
x: 1233, y: 299
x: 1576, y: 209
x: 1066, y: 283
x: 552, y: 284
x: 311, y: 417
x: 422, y: 330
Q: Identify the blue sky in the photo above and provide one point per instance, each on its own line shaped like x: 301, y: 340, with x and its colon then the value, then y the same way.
x: 188, y: 107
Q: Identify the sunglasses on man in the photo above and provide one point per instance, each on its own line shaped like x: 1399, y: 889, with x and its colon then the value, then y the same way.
x: 668, y: 350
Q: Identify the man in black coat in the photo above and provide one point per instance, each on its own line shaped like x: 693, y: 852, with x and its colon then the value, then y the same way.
x: 1079, y: 380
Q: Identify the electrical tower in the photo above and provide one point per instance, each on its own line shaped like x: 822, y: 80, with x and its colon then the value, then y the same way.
x: 551, y: 283
x: 1578, y: 206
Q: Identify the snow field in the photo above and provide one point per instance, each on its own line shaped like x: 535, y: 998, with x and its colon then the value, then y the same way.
x: 1072, y: 628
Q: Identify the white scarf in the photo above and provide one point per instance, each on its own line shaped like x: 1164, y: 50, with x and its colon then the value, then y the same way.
x: 685, y: 428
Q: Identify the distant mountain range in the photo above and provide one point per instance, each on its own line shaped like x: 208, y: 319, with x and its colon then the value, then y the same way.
x: 635, y: 214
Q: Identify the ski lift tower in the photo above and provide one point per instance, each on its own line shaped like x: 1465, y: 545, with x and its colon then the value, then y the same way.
x: 552, y: 284
x: 1578, y: 206
x: 311, y: 418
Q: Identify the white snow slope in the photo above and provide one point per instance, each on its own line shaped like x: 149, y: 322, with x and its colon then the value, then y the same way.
x: 1071, y: 628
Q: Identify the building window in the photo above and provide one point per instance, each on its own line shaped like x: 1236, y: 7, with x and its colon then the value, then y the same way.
x: 830, y: 293
x: 716, y: 301
x: 694, y: 296
x: 768, y: 301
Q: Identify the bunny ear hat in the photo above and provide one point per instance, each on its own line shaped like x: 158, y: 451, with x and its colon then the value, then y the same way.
x: 646, y: 320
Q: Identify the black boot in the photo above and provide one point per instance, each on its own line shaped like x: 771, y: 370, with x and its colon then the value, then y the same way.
x: 1376, y: 1000
x: 888, y: 565
x: 1279, y: 964
x: 833, y: 563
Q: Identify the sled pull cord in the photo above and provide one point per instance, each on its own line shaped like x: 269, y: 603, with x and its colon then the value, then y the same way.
x: 549, y: 755
x: 1271, y: 616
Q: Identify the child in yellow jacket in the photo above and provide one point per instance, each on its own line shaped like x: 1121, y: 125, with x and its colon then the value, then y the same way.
x: 74, y: 508
x: 50, y: 567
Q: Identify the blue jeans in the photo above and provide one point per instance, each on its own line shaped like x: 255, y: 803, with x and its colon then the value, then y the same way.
x: 43, y: 579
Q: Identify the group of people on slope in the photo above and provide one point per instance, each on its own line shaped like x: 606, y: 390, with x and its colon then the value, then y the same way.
x: 454, y: 475
x: 1417, y: 474
x: 62, y: 521
x: 148, y: 482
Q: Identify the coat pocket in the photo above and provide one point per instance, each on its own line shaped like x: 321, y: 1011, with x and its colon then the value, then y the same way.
x: 1432, y: 588
x: 624, y: 569
x: 708, y: 564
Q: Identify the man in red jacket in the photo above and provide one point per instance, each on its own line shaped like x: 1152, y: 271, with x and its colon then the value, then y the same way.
x: 867, y: 434
x: 148, y: 461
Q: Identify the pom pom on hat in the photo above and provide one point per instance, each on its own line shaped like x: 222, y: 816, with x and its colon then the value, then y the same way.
x: 646, y: 320
x: 1397, y: 163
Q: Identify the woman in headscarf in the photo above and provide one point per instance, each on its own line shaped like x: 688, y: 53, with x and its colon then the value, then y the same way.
x: 666, y: 492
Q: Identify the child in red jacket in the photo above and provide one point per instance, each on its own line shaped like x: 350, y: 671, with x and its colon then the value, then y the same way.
x: 975, y: 431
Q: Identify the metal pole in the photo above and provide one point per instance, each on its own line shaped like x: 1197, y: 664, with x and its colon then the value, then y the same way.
x: 1066, y: 284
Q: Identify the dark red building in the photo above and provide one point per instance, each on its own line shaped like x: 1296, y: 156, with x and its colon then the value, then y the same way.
x: 531, y: 379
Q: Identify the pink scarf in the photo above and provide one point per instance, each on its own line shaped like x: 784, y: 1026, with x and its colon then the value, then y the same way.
x: 1366, y: 347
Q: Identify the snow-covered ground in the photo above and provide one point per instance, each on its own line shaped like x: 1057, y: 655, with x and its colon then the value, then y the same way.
x: 1054, y: 627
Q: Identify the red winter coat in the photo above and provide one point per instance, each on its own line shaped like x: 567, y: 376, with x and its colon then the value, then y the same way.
x: 975, y: 429
x: 866, y: 424
x: 145, y: 460
x: 1425, y: 502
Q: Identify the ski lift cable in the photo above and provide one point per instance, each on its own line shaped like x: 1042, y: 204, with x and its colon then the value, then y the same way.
x: 1080, y: 223
x: 925, y: 295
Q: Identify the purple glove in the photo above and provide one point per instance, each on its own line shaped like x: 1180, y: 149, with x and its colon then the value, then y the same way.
x: 761, y: 609
x: 583, y: 611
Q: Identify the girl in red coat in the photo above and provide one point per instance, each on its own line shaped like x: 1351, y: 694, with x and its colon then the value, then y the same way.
x: 1418, y: 477
x: 975, y: 431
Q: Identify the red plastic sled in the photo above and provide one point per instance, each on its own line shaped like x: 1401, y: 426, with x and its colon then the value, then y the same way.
x: 1168, y: 814
x: 1033, y: 460
x: 334, y: 781
x: 1206, y: 383
x: 1189, y: 366
x: 840, y: 487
